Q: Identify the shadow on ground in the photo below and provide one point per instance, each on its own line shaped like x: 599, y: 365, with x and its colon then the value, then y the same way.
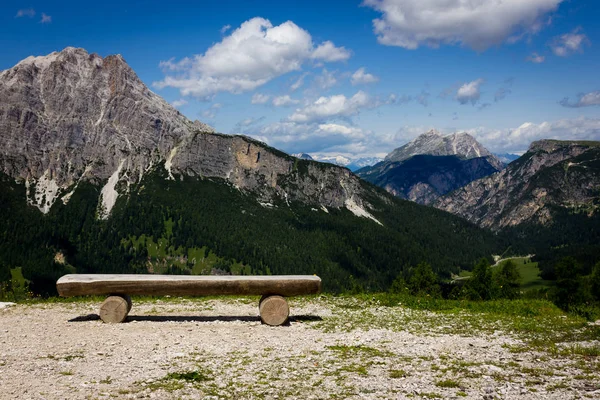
x: 192, y: 318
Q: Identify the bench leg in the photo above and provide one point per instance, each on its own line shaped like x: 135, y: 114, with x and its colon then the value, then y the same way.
x: 274, y: 310
x: 115, y: 309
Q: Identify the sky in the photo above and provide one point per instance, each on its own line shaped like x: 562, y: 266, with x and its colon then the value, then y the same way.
x: 351, y: 78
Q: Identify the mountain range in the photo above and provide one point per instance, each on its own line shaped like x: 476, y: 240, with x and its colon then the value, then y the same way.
x: 99, y: 174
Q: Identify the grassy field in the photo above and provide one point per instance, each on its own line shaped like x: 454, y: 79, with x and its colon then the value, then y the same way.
x: 529, y: 271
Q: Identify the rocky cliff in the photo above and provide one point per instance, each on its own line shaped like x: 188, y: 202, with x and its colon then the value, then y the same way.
x: 432, y: 165
x: 552, y: 173
x: 72, y: 116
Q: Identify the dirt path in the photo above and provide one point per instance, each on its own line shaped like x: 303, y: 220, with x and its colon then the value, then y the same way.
x: 186, y: 349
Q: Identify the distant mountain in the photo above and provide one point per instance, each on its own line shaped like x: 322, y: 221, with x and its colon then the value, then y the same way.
x: 432, y: 165
x: 507, y: 158
x: 424, y: 178
x: 359, y: 163
x: 434, y: 144
x: 352, y: 164
x: 303, y: 156
x: 100, y: 175
x: 551, y: 175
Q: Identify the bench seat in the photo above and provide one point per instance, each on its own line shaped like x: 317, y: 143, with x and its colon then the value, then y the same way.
x: 187, y: 285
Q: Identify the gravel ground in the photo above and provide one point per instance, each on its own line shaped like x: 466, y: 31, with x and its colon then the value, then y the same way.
x: 178, y: 348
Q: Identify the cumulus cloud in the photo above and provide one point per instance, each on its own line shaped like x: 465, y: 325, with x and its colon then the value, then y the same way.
x: 569, y: 43
x: 314, y: 137
x: 259, y: 98
x: 536, y: 58
x: 332, y: 106
x: 327, y: 52
x: 252, y: 55
x: 46, y: 19
x: 225, y: 28
x: 469, y: 92
x: 362, y: 77
x: 179, y: 103
x: 517, y: 140
x: 585, y: 100
x: 284, y: 101
x: 25, y: 12
x: 478, y: 24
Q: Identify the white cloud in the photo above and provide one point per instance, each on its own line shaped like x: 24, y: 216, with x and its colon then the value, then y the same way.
x: 517, y: 140
x: 25, y: 12
x: 249, y: 57
x: 536, y: 58
x: 179, y: 103
x: 329, y: 53
x: 259, y: 98
x: 46, y: 19
x: 585, y: 100
x: 332, y: 106
x: 225, y: 28
x: 478, y: 24
x: 569, y: 43
x: 312, y: 137
x: 212, y: 111
x: 362, y: 77
x: 299, y: 82
x: 469, y: 92
x: 326, y: 80
x: 284, y: 101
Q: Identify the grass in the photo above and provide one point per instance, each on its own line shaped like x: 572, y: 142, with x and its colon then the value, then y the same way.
x: 529, y: 271
x: 448, y: 383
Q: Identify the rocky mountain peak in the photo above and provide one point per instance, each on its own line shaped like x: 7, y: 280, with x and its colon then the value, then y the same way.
x: 72, y: 116
x: 433, y: 143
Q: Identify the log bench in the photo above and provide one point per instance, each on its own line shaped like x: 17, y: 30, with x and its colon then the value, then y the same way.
x: 273, y: 307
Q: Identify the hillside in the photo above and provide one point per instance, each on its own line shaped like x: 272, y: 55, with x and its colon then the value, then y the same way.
x: 424, y: 178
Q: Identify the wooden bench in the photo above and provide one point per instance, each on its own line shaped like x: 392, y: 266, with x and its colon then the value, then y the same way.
x: 273, y: 307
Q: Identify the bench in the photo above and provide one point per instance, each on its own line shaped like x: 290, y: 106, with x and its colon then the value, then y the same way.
x: 273, y: 307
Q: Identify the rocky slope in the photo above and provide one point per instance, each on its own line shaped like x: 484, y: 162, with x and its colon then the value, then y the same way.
x: 425, y: 178
x: 432, y: 165
x: 552, y: 174
x: 72, y: 116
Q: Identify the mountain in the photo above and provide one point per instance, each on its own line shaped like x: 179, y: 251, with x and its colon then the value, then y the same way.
x: 552, y: 174
x: 352, y: 164
x: 506, y: 158
x: 434, y: 144
x: 100, y: 175
x: 432, y: 165
x: 362, y: 162
x: 424, y: 178
x: 303, y: 156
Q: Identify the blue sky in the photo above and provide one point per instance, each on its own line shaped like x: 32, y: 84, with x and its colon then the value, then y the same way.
x: 352, y: 78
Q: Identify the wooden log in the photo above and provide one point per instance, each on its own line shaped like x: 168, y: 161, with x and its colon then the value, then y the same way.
x: 187, y: 285
x: 128, y: 300
x: 114, y: 309
x: 274, y: 310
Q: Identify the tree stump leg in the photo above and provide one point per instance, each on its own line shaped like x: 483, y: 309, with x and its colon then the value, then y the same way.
x: 115, y: 309
x: 274, y: 310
